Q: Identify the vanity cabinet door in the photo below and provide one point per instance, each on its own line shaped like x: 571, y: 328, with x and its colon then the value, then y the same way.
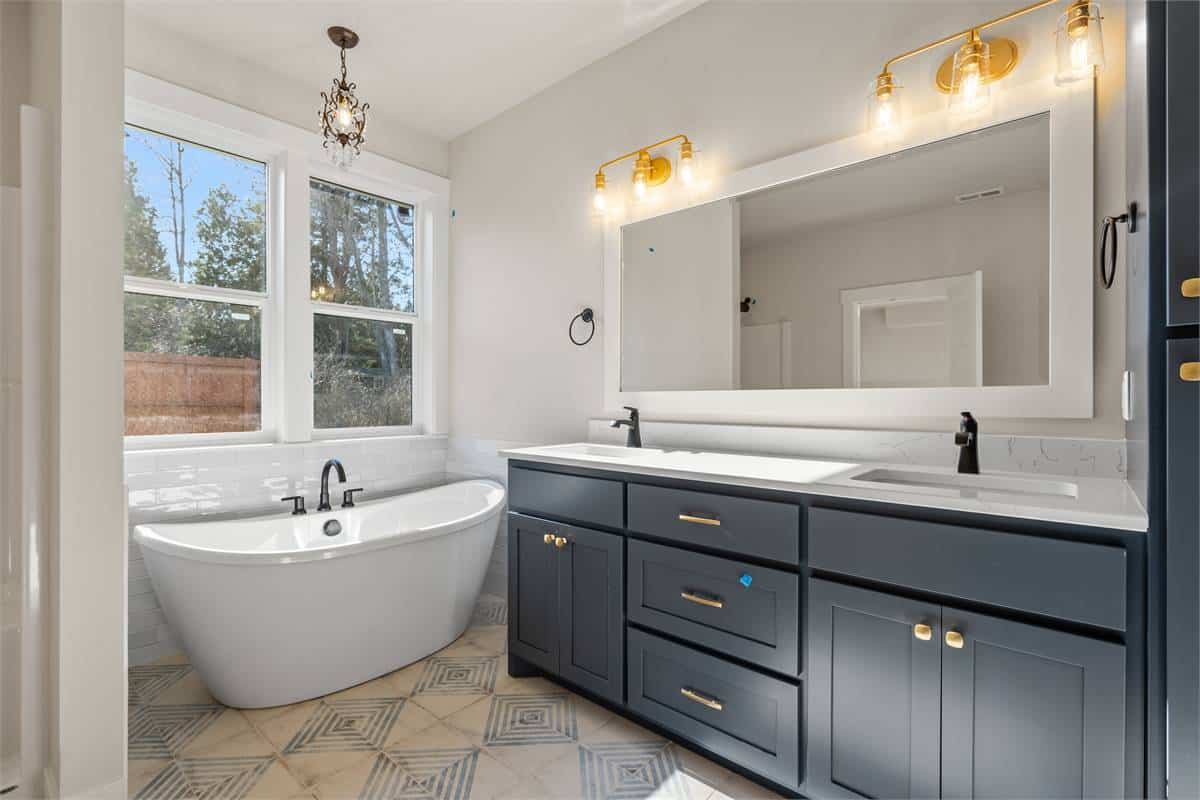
x: 590, y: 604
x: 873, y: 694
x: 533, y: 592
x: 1029, y: 711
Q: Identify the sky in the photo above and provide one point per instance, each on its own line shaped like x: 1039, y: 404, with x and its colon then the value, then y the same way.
x: 205, y: 169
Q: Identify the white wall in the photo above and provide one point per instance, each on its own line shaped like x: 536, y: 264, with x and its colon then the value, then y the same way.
x: 748, y: 82
x: 166, y: 55
x: 799, y: 278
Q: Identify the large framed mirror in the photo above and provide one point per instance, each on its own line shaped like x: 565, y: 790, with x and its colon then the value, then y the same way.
x: 919, y: 278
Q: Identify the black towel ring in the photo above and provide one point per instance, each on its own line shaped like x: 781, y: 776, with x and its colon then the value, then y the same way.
x: 1108, y: 263
x: 587, y: 316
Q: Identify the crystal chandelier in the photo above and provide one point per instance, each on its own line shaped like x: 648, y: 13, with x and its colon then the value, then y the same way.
x: 343, y: 117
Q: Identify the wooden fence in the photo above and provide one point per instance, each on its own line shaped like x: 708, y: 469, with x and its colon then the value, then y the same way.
x: 173, y: 393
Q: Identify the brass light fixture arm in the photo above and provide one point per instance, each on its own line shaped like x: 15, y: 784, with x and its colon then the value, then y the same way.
x: 887, y: 65
x: 679, y: 137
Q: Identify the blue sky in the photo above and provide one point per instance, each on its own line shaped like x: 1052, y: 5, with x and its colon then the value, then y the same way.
x: 205, y: 169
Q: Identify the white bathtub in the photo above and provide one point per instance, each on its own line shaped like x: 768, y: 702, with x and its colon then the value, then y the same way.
x: 271, y: 610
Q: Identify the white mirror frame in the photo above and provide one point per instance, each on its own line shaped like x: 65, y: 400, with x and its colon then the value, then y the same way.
x: 1068, y: 394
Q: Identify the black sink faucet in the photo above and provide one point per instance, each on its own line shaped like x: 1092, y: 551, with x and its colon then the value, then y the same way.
x: 967, y: 440
x: 332, y: 463
x: 634, y: 436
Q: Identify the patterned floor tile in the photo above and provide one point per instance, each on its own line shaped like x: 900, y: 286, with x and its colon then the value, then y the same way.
x: 466, y: 675
x: 230, y: 724
x: 433, y: 774
x: 631, y: 771
x: 148, y: 682
x: 490, y: 610
x: 162, y: 731
x: 346, y: 725
x: 524, y: 719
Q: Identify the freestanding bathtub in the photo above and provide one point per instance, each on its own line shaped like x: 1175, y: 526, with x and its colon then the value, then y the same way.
x: 276, y: 609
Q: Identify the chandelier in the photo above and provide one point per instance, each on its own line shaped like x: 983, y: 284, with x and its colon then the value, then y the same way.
x: 342, y: 116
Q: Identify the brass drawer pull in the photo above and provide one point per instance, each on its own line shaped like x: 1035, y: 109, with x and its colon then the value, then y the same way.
x: 954, y: 639
x: 707, y: 702
x: 548, y: 538
x: 699, y: 598
x: 560, y: 542
x: 923, y: 632
x: 1190, y: 287
x: 699, y: 520
x: 1189, y: 371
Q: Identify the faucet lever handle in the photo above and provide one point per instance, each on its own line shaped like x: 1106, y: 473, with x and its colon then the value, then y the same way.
x: 297, y: 504
x: 962, y: 439
x: 348, y: 498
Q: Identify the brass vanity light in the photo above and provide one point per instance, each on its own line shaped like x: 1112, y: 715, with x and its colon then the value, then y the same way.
x: 978, y: 62
x: 648, y: 170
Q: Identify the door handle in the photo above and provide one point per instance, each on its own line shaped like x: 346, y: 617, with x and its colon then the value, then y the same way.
x: 1189, y: 371
x: 697, y: 697
x: 700, y: 598
x: 923, y: 632
x: 955, y: 639
x: 548, y: 538
x: 1190, y: 287
x: 560, y: 542
x: 699, y: 520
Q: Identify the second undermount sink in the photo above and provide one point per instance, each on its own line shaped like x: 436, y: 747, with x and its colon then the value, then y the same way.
x: 978, y: 483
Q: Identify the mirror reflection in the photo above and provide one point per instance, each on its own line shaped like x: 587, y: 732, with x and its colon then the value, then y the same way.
x: 924, y: 268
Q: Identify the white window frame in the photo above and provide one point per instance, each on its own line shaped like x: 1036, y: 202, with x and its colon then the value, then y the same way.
x: 293, y: 156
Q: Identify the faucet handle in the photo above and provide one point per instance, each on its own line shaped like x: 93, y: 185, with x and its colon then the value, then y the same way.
x: 348, y: 498
x: 297, y: 504
x: 962, y: 439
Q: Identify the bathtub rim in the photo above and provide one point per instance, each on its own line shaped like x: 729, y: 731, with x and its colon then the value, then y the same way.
x: 150, y: 535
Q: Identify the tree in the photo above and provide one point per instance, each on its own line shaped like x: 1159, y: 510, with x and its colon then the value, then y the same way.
x: 147, y: 324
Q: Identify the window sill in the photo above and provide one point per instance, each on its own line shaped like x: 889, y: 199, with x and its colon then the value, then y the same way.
x: 260, y: 446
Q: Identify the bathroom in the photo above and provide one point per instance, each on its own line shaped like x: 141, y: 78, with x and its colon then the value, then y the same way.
x: 675, y: 399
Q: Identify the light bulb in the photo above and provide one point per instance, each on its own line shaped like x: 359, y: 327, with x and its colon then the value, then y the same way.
x: 970, y: 86
x: 969, y: 90
x: 885, y: 112
x: 639, y: 186
x: 1080, y: 42
x: 344, y: 116
x: 598, y: 201
x: 1079, y: 54
x: 687, y: 163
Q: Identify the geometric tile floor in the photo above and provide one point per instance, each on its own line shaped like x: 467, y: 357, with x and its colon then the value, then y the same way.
x: 453, y: 726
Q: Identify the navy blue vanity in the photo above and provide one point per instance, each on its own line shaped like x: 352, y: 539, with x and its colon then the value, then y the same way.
x: 836, y: 647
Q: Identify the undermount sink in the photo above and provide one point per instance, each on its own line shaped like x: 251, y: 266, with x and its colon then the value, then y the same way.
x: 600, y: 450
x: 978, y: 483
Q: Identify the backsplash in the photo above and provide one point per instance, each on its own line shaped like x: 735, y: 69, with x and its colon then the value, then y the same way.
x: 182, y: 484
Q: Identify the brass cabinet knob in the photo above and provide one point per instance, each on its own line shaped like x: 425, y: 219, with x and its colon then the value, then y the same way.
x: 954, y: 639
x: 1190, y: 287
x: 1189, y: 371
x: 923, y: 632
x: 548, y: 538
x: 560, y: 542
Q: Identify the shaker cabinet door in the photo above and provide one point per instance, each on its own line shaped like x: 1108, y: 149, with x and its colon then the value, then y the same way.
x: 873, y: 682
x: 533, y: 592
x: 591, y: 620
x: 1029, y: 712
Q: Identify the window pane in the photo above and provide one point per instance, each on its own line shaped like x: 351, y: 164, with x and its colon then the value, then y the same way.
x: 192, y: 214
x: 361, y: 248
x: 191, y: 366
x: 362, y: 372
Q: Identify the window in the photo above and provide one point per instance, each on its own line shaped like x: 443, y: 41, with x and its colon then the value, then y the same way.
x: 363, y: 291
x: 270, y: 296
x: 195, y: 287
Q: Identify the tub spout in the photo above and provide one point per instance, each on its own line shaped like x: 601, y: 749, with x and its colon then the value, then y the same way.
x: 332, y: 463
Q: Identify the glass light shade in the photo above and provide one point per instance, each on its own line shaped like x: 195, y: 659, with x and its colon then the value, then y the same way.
x: 639, y: 186
x: 969, y: 89
x: 885, y: 107
x: 599, y: 201
x: 1079, y: 43
x: 343, y: 118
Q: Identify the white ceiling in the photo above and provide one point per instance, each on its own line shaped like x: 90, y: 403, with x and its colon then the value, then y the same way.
x: 443, y: 66
x: 1015, y: 156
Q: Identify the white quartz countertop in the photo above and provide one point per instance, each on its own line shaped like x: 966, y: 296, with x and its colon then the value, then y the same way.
x: 1099, y: 502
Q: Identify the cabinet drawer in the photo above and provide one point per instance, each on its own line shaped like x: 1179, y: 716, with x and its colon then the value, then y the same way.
x: 758, y: 528
x: 1072, y: 581
x: 594, y: 501
x: 746, y: 611
x: 747, y: 717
